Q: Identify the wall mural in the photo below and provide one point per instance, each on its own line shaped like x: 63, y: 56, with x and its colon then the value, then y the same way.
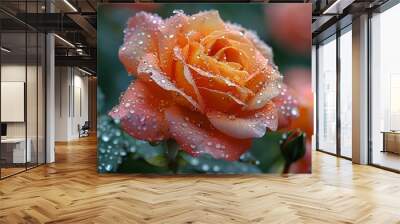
x: 204, y: 88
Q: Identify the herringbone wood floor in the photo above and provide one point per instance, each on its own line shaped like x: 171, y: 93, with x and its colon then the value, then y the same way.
x: 70, y: 191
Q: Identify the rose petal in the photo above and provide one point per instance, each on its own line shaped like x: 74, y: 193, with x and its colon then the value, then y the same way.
x: 168, y: 39
x: 265, y: 50
x: 255, y: 60
x: 209, y: 77
x: 205, y: 22
x: 224, y: 35
x: 264, y: 74
x: 287, y: 105
x: 250, y: 57
x: 196, y: 135
x: 184, y: 78
x: 141, y: 112
x: 252, y: 125
x: 266, y: 94
x: 220, y: 101
x: 140, y: 39
x: 233, y: 55
x: 253, y: 37
x: 222, y: 69
x: 150, y: 71
x: 217, y: 45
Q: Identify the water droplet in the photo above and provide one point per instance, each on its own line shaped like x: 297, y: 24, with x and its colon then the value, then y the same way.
x: 216, y: 168
x: 294, y: 112
x: 109, y: 167
x: 105, y: 138
x: 132, y: 149
x: 194, y: 162
x: 178, y: 11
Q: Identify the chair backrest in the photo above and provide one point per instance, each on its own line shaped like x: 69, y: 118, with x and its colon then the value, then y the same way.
x: 86, y: 125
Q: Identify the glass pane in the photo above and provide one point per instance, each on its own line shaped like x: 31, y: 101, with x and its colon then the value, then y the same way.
x: 32, y: 89
x: 385, y: 83
x: 13, y: 86
x: 346, y: 94
x: 41, y: 98
x: 327, y: 96
x: 31, y: 98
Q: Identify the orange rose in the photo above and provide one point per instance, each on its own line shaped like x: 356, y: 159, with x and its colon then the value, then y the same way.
x: 202, y: 82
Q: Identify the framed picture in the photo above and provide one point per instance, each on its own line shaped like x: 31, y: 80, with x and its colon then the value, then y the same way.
x: 204, y: 88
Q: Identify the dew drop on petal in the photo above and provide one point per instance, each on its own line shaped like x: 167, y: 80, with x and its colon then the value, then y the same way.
x: 178, y: 11
x: 294, y: 112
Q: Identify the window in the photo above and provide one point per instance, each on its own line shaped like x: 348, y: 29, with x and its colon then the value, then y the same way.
x: 346, y: 92
x: 385, y: 89
x: 327, y: 95
x: 22, y: 101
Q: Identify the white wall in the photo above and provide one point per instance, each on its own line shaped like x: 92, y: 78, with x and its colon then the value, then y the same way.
x: 16, y: 73
x: 71, y: 94
x: 61, y: 103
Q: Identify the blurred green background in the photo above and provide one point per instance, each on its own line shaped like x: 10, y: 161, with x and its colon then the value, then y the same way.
x: 116, y: 153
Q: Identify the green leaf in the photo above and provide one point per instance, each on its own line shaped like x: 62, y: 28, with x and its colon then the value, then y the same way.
x: 155, y: 155
x: 266, y: 151
x: 158, y: 160
x: 155, y: 143
x: 130, y: 164
x: 205, y: 163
